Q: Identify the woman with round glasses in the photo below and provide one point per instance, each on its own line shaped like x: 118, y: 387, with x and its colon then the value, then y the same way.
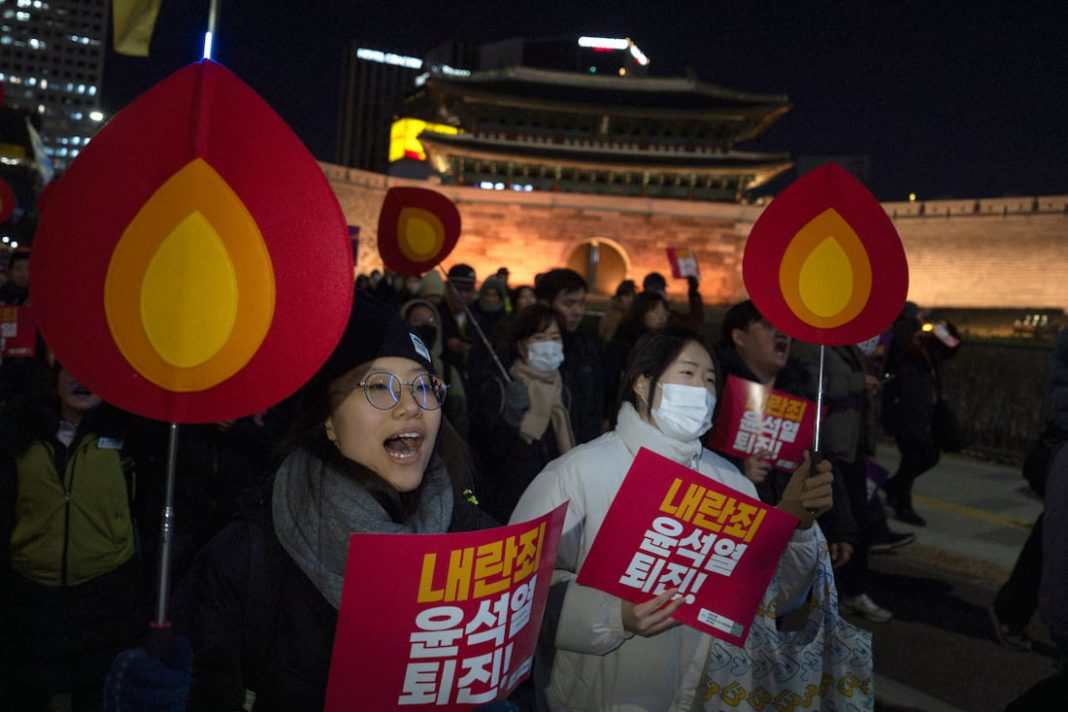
x: 368, y: 454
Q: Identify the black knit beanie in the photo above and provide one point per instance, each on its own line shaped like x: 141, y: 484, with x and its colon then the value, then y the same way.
x: 375, y: 330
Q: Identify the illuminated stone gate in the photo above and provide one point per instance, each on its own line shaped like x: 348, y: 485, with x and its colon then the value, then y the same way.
x: 997, y: 252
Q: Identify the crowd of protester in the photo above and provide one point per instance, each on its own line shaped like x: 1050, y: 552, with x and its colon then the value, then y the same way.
x: 508, y: 402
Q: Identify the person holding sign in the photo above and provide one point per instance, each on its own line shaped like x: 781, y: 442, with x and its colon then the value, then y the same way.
x: 612, y: 654
x: 751, y: 348
x: 369, y: 454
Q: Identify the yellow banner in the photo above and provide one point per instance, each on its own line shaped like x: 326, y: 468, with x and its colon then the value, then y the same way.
x: 133, y: 22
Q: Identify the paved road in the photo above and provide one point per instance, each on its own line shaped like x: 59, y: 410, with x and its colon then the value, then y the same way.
x: 939, y: 653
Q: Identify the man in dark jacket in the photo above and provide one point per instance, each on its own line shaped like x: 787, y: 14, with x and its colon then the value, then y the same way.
x: 753, y: 349
x: 565, y: 291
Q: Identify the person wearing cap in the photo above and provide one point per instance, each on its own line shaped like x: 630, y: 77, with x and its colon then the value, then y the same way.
x: 459, y: 296
x: 369, y: 453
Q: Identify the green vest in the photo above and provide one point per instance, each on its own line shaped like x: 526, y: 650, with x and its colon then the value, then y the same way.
x: 71, y: 528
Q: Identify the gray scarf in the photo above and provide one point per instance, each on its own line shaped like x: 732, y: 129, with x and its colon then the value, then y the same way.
x: 315, y: 509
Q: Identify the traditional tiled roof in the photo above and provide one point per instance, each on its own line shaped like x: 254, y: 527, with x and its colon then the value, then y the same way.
x: 754, y: 169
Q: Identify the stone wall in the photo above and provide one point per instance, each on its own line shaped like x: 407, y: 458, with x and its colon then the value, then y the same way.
x: 1004, y: 252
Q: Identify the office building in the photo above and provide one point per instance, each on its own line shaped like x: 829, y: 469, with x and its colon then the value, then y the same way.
x: 51, y: 64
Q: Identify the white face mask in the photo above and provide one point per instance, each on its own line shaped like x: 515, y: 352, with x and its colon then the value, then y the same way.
x: 545, y: 356
x: 685, y: 412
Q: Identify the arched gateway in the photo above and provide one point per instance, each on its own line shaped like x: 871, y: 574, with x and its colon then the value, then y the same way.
x: 603, y: 262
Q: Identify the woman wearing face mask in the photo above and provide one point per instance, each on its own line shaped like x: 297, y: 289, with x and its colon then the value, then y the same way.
x: 425, y: 320
x: 369, y: 454
x: 522, y: 425
x: 615, y: 655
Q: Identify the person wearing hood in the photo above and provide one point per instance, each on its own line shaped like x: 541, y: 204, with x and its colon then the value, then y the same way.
x: 425, y: 320
x: 612, y: 654
x: 489, y: 312
x: 432, y: 288
x: 521, y: 425
x: 369, y: 453
x: 914, y: 412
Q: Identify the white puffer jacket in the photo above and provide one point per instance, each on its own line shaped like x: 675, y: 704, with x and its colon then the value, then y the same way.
x: 598, y: 665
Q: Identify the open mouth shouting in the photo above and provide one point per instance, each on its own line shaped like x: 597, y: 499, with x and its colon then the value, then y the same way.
x: 404, y: 447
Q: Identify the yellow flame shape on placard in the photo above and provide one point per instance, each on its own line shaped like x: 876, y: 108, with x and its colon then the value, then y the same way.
x: 420, y: 234
x: 825, y: 274
x: 190, y: 290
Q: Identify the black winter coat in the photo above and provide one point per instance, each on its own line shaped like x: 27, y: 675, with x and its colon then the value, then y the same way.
x: 584, y: 378
x: 838, y: 524
x: 910, y: 397
x: 507, y: 462
x: 257, y: 621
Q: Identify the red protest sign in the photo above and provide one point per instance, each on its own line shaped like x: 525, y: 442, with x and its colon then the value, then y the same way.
x: 683, y: 263
x: 18, y: 338
x: 448, y: 621
x: 670, y: 527
x: 754, y: 417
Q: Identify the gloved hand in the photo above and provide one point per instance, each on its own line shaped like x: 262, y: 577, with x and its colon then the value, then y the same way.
x: 139, y: 682
x: 516, y: 403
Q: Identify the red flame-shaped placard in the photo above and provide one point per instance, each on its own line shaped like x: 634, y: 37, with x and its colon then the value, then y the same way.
x: 195, y: 266
x: 824, y: 263
x: 417, y: 229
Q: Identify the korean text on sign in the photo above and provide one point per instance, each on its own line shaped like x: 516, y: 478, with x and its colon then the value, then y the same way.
x: 436, y: 672
x: 672, y: 527
x: 756, y: 418
x: 674, y: 555
x: 454, y: 617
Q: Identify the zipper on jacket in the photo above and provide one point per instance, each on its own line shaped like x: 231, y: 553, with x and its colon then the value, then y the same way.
x: 67, y: 492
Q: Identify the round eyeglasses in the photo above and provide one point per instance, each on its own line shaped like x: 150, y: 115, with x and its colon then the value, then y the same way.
x: 383, y: 390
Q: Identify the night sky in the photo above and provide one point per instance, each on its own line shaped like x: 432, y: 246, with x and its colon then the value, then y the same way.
x: 966, y: 99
